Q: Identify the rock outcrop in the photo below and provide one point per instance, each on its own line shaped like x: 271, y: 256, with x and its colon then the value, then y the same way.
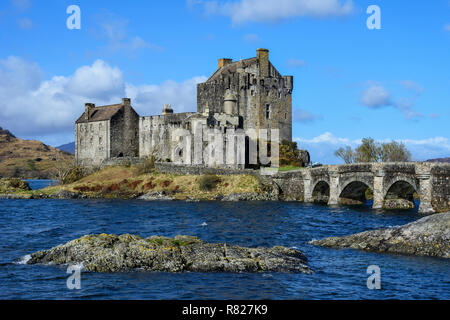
x: 429, y: 236
x: 156, y: 195
x: 112, y: 253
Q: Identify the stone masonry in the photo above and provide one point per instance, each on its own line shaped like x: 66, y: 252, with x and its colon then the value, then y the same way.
x: 394, y: 185
x: 242, y: 96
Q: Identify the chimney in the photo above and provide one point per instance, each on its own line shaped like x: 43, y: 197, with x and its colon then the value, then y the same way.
x: 87, y: 110
x: 263, y: 58
x: 126, y: 101
x: 223, y: 62
x: 167, y: 109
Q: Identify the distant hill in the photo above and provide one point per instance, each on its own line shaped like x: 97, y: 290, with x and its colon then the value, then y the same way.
x: 68, y: 147
x: 440, y: 160
x: 29, y: 159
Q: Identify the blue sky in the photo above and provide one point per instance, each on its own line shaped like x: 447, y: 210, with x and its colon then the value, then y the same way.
x: 349, y: 82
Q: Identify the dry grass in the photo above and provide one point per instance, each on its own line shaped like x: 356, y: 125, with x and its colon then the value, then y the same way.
x: 125, y: 181
x: 29, y: 158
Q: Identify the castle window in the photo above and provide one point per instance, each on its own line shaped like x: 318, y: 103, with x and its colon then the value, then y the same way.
x: 267, y: 111
x: 261, y: 82
x: 285, y: 116
x: 99, y: 140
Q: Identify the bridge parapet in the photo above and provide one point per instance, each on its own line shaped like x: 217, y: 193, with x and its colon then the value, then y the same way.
x: 392, y: 184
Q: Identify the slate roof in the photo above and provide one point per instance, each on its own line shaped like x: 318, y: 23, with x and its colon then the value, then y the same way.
x: 232, y: 68
x: 101, y: 113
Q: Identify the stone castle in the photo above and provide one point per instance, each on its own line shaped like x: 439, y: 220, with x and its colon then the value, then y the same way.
x: 239, y: 96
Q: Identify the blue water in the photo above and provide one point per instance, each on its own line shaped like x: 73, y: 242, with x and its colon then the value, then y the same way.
x: 36, y: 184
x: 30, y: 225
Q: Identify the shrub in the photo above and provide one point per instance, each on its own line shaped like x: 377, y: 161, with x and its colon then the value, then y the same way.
x: 208, y: 182
x: 146, y: 166
x: 74, y: 175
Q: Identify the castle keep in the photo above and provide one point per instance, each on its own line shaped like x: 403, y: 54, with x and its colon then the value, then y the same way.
x: 242, y: 96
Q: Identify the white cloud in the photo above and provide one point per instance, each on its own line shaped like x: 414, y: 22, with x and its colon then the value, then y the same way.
x: 447, y: 27
x: 25, y: 23
x: 412, y: 86
x: 304, y: 116
x: 322, y: 147
x: 33, y: 107
x: 149, y: 99
x: 114, y: 30
x: 376, y: 96
x: 21, y: 5
x: 275, y: 10
x: 99, y: 81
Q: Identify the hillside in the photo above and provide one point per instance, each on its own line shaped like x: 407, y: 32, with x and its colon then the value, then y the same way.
x: 68, y: 147
x: 440, y: 160
x: 29, y: 159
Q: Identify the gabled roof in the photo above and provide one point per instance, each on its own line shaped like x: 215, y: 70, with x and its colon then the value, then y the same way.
x: 232, y: 68
x: 101, y: 113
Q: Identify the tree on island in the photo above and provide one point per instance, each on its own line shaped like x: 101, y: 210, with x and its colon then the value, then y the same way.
x: 372, y: 151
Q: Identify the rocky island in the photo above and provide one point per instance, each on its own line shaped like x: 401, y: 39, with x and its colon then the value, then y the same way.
x: 113, y: 253
x: 429, y: 236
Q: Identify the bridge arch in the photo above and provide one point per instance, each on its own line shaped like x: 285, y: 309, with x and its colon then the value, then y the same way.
x: 321, y: 192
x: 399, y: 194
x: 354, y: 192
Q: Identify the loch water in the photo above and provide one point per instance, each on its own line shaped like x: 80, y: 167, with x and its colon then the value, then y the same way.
x: 27, y: 226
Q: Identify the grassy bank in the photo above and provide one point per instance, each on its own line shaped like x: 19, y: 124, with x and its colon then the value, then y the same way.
x: 128, y: 182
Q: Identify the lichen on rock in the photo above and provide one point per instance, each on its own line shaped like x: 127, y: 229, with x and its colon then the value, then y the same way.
x: 429, y: 236
x: 112, y: 253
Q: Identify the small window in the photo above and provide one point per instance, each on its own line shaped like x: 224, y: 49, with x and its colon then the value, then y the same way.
x: 267, y: 111
x: 285, y: 116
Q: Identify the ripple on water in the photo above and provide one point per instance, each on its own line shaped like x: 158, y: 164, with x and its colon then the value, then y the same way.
x: 28, y: 226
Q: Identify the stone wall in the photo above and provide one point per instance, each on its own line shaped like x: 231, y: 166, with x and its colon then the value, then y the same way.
x: 122, y: 161
x: 291, y: 185
x: 124, y: 133
x: 264, y: 96
x: 93, y: 142
x: 441, y: 187
x: 172, y: 168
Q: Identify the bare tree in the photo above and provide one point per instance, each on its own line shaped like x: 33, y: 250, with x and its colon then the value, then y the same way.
x: 345, y: 154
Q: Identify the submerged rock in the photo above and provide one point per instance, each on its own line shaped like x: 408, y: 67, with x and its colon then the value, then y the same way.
x: 249, y: 196
x: 111, y: 253
x: 156, y: 195
x: 429, y: 236
x: 64, y: 194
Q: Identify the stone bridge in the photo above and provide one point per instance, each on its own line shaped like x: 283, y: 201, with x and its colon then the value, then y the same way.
x: 390, y: 185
